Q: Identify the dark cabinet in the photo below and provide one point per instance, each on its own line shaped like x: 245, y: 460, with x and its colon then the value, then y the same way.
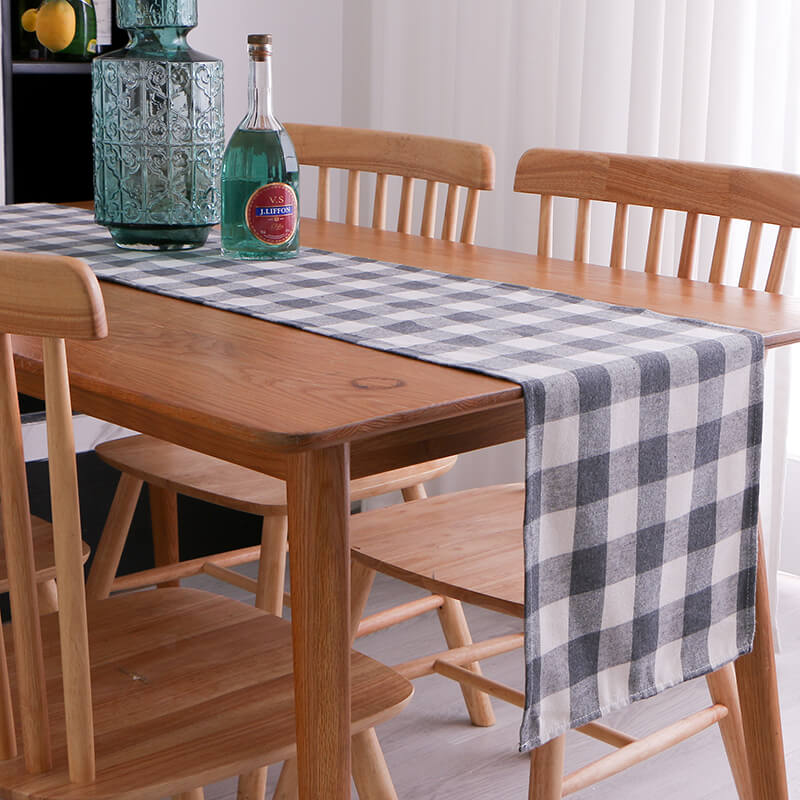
x: 47, y: 117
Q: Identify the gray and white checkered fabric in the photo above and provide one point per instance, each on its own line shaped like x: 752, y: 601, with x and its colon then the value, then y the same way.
x: 643, y: 440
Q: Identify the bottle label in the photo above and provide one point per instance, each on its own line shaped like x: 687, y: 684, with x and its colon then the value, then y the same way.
x: 271, y: 213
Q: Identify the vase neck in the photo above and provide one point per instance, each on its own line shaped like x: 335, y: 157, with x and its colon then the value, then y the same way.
x: 158, y: 40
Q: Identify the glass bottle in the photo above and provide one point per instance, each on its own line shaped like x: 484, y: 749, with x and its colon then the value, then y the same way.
x: 84, y: 46
x: 260, y: 175
x: 65, y: 30
x: 158, y: 131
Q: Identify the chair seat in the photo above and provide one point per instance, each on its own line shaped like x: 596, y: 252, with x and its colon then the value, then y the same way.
x: 206, y: 478
x: 188, y: 688
x: 43, y: 556
x: 467, y: 545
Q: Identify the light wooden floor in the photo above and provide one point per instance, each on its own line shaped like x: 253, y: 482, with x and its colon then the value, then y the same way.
x: 435, y: 754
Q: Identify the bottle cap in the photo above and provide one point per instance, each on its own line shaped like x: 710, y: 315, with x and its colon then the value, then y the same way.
x: 259, y: 38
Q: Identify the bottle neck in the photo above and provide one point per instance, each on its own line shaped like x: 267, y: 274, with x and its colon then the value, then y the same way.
x: 259, y: 109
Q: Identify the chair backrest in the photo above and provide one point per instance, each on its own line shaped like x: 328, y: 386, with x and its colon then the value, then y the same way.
x: 725, y: 192
x: 432, y: 159
x: 51, y: 297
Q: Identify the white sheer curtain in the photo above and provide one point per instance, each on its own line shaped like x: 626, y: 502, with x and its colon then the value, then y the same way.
x: 694, y: 79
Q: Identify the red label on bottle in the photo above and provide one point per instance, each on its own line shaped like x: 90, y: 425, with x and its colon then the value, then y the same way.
x: 271, y: 213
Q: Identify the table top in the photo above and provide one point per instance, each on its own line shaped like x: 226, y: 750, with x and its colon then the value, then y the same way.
x: 228, y: 383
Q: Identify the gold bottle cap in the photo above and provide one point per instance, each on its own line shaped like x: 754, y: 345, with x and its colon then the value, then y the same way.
x: 259, y: 38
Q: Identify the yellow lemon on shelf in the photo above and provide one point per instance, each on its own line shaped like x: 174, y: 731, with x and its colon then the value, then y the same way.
x: 55, y: 24
x: 29, y: 20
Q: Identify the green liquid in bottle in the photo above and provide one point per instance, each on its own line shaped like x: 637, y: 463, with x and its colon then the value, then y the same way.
x: 255, y: 158
x: 84, y: 46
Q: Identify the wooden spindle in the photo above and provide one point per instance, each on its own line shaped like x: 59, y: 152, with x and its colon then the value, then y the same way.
x: 653, y: 258
x: 406, y: 204
x: 379, y: 208
x: 68, y: 547
x: 353, y: 196
x: 470, y: 221
x: 748, y: 276
x: 718, y: 259
x: 450, y: 214
x: 723, y: 690
x: 688, y: 246
x: 22, y: 586
x: 544, y: 246
x: 429, y: 209
x: 777, y: 267
x: 112, y: 540
x: 324, y: 194
x: 272, y: 565
x: 617, y: 260
x: 582, y: 229
x: 547, y: 770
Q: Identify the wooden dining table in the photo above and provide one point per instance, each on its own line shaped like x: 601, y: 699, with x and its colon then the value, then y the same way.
x: 315, y: 411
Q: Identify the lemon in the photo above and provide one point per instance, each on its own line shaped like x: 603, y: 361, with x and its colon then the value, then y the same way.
x: 29, y: 20
x: 55, y: 24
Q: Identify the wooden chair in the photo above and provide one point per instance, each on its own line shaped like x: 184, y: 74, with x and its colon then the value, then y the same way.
x: 468, y: 545
x: 170, y: 470
x: 143, y: 695
x: 449, y: 161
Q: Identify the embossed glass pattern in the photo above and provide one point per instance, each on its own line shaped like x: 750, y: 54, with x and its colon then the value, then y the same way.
x: 158, y: 133
x: 157, y: 13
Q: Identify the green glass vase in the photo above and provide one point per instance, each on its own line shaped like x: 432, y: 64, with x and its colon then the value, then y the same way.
x: 158, y: 131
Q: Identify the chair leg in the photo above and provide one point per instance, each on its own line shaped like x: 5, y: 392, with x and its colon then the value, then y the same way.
x: 269, y: 597
x: 193, y: 794
x: 361, y: 579
x: 547, y: 770
x: 370, y: 773
x: 272, y: 565
x: 48, y: 597
x: 367, y: 758
x: 287, y: 783
x: 164, y: 519
x: 112, y: 540
x: 252, y: 786
x: 415, y: 492
x: 456, y: 634
x: 757, y: 681
x: 723, y: 690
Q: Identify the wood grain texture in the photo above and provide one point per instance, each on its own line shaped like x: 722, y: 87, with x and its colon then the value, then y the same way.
x: 416, y: 542
x: 68, y: 549
x: 432, y: 159
x: 164, y: 526
x: 32, y: 699
x: 248, y: 390
x: 43, y: 556
x: 319, y: 547
x: 166, y: 721
x: 718, y: 190
x: 203, y: 477
x: 46, y: 295
x: 425, y: 157
x: 758, y: 696
x: 113, y: 537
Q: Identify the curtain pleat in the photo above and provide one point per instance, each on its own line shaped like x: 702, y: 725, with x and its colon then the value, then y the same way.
x: 692, y: 79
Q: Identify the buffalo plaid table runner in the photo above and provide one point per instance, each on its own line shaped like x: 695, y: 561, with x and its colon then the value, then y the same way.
x: 643, y: 440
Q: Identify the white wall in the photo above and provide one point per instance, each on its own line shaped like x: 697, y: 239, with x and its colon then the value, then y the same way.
x: 306, y: 62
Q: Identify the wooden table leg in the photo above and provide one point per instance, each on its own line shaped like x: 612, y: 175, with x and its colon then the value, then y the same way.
x: 318, y: 495
x: 758, y: 695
